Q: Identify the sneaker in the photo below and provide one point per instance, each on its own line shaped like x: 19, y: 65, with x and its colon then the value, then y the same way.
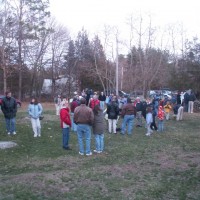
x: 14, y: 133
x: 35, y: 135
x: 147, y: 134
x: 89, y: 154
x: 82, y: 154
x: 95, y: 151
x: 39, y: 135
x: 8, y: 133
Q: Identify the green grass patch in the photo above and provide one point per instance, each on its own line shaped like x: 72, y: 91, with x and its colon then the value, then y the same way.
x: 163, y: 166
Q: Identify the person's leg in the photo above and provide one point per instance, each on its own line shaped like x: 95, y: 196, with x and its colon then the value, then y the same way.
x: 102, y: 105
x: 101, y: 142
x: 178, y: 115
x: 181, y: 112
x: 38, y: 124
x: 114, y: 122
x: 97, y: 142
x: 162, y: 125
x: 57, y: 109
x: 149, y: 131
x: 8, y: 126
x: 192, y: 106
x: 34, y: 126
x: 13, y: 125
x: 139, y: 117
x: 130, y: 124
x: 167, y: 116
x: 64, y: 138
x: 110, y: 125
x: 159, y: 125
x: 189, y: 107
x: 80, y: 138
x: 123, y: 127
x: 87, y: 138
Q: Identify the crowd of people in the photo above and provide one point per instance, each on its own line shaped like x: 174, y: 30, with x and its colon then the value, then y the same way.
x: 91, y: 112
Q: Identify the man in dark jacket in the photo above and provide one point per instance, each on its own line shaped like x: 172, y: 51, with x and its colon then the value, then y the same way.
x: 128, y: 114
x: 9, y: 109
x: 113, y: 112
x: 84, y: 117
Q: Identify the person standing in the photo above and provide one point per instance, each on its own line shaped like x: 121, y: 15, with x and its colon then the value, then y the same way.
x: 35, y: 110
x: 149, y: 120
x: 102, y: 99
x: 128, y: 114
x: 167, y: 109
x: 9, y: 109
x: 161, y: 116
x: 94, y: 101
x: 65, y: 123
x: 113, y: 112
x: 138, y: 104
x: 74, y: 104
x: 98, y: 129
x: 84, y: 117
x: 191, y: 99
x: 57, y: 101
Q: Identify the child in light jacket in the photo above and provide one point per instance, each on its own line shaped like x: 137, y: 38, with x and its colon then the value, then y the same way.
x: 35, y: 111
x: 167, y: 109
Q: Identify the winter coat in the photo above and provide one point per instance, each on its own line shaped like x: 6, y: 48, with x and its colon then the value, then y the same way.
x: 74, y: 104
x: 65, y: 120
x: 112, y: 110
x: 9, y: 107
x: 149, y: 118
x: 161, y: 114
x: 94, y: 102
x: 35, y: 110
x: 99, y: 123
x: 167, y: 108
x: 83, y: 115
x: 128, y: 109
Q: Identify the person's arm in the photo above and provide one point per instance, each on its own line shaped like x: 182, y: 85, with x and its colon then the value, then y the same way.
x: 3, y: 106
x: 40, y: 109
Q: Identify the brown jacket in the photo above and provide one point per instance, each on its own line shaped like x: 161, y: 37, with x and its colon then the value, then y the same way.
x: 128, y: 109
x: 83, y: 115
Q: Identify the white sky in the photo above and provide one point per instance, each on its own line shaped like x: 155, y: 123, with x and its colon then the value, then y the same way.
x: 92, y: 14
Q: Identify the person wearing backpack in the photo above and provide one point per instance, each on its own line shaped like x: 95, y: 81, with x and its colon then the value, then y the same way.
x: 113, y: 112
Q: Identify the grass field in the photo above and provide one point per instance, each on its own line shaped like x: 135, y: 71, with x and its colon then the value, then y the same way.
x: 164, y: 166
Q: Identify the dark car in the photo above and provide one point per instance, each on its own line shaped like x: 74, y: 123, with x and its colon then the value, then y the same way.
x: 19, y: 104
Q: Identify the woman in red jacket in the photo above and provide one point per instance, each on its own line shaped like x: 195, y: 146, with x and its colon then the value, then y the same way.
x: 65, y: 123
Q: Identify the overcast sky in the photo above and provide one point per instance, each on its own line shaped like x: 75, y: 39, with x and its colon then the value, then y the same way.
x: 93, y: 14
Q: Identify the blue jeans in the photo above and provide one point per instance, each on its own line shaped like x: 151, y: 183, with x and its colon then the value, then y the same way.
x: 129, y: 121
x: 102, y: 104
x: 84, y: 132
x: 74, y: 126
x: 10, y: 125
x: 160, y: 125
x: 65, y: 137
x: 99, y: 140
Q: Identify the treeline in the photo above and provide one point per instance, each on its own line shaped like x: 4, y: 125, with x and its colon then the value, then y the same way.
x: 33, y: 47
